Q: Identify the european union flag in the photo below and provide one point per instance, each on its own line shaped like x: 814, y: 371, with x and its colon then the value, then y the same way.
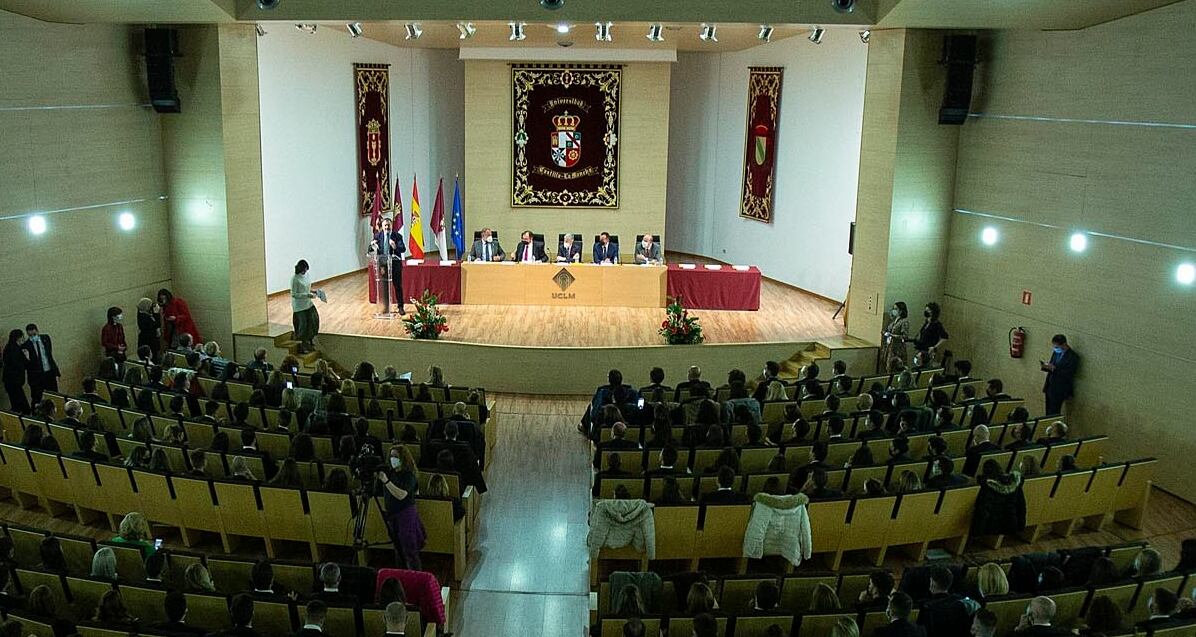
x: 458, y: 220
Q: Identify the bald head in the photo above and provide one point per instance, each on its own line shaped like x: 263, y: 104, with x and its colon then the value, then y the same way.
x: 396, y: 617
x: 619, y: 430
x: 980, y: 434
x: 1041, y: 610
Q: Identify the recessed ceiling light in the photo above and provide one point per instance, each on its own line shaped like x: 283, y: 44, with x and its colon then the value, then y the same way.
x: 37, y: 224
x: 127, y: 221
x: 562, y: 28
x: 1078, y: 242
x: 1185, y: 273
x: 988, y: 236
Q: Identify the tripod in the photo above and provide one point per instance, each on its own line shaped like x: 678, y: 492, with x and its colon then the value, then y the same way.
x: 363, y: 496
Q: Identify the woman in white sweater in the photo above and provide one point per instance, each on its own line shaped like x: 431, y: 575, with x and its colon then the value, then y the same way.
x: 305, y: 318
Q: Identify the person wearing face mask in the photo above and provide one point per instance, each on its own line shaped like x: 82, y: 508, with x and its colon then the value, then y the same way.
x: 399, y: 482
x: 16, y: 363
x: 647, y: 251
x: 568, y: 251
x: 606, y: 252
x: 112, y: 335
x: 1061, y: 373
x: 898, y: 333
x: 931, y: 335
x: 43, y: 369
x: 487, y: 248
x: 149, y: 327
x: 529, y: 250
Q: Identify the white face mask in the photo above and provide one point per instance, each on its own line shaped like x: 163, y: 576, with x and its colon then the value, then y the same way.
x: 487, y: 239
x: 645, y: 243
x: 395, y: 463
x: 894, y: 313
x: 120, y: 317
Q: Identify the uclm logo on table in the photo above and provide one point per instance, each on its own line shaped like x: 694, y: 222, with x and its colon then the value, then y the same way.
x: 563, y: 280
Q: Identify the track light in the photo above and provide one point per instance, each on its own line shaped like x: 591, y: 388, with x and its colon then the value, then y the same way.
x: 655, y: 33
x: 466, y: 29
x: 261, y: 30
x: 602, y: 31
x: 865, y: 35
x: 709, y: 33
x: 517, y: 34
x: 765, y: 33
x: 414, y: 31
x: 306, y: 28
x: 816, y: 35
x: 354, y: 29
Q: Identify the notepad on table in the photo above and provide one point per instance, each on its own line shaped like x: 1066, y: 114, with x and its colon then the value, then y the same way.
x: 713, y: 266
x: 687, y: 266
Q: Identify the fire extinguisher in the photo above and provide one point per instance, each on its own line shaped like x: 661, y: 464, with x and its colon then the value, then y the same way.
x: 1017, y: 342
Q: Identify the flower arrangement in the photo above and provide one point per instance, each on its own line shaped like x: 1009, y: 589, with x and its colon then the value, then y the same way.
x: 426, y: 321
x: 678, y: 327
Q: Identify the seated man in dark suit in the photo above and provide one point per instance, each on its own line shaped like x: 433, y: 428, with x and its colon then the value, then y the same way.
x: 876, y: 596
x: 668, y: 463
x: 614, y: 469
x: 330, y: 581
x: 1056, y: 433
x: 944, y: 613
x: 980, y: 446
x: 901, y: 606
x: 1023, y: 435
x: 657, y: 378
x: 693, y: 379
x: 240, y: 611
x: 486, y: 248
x: 89, y: 392
x: 605, y: 251
x: 943, y: 476
x: 313, y: 622
x: 618, y: 439
x: 529, y: 250
x: 817, y: 460
x: 899, y: 451
x: 261, y: 578
x: 1036, y: 622
x: 647, y: 251
x: 817, y: 487
x: 176, y: 610
x: 88, y: 442
x: 156, y: 567
x: 725, y: 494
x: 872, y: 426
x: 73, y: 410
x: 464, y: 460
x: 568, y: 250
x: 249, y: 448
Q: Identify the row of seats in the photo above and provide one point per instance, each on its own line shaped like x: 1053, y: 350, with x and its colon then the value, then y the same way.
x: 693, y: 532
x: 234, y: 510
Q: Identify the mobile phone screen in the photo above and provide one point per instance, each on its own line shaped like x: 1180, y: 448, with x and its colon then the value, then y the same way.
x: 641, y: 403
x: 157, y: 544
x: 290, y: 385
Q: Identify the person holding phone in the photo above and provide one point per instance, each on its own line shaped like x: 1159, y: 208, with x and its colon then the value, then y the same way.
x: 1060, y: 374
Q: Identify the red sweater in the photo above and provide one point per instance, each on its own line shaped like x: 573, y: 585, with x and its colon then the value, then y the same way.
x: 112, y: 338
x: 422, y: 590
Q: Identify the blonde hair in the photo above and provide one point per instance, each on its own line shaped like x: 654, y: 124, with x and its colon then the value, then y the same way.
x: 776, y: 391
x: 349, y: 388
x: 211, y: 348
x: 909, y: 482
x: 437, y: 487
x: 845, y: 627
x: 198, y: 578
x: 134, y: 527
x: 290, y: 400
x: 991, y: 580
x: 240, y: 468
x: 823, y: 599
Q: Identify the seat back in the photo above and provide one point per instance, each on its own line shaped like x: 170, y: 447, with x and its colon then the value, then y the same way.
x: 230, y: 575
x: 722, y: 532
x: 208, y: 610
x: 86, y: 594
x: 827, y: 520
x: 272, y: 618
x: 283, y: 509
x: 146, y: 604
x: 797, y: 590
x: 684, y: 627
x: 758, y: 625
x: 239, y: 513
x: 676, y: 531
x: 869, y: 523
x: 736, y: 593
x: 821, y: 623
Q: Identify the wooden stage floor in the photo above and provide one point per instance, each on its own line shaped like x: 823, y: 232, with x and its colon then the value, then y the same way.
x: 786, y: 315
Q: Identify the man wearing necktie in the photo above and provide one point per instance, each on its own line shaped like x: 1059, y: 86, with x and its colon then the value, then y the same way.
x: 606, y: 251
x: 43, y: 370
x: 1061, y: 372
x: 389, y: 246
x: 486, y: 247
x: 529, y: 250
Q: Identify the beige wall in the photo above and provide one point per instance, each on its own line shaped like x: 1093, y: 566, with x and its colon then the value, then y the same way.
x: 907, y: 164
x: 213, y: 169
x: 61, y: 152
x: 1118, y: 302
x: 643, y: 159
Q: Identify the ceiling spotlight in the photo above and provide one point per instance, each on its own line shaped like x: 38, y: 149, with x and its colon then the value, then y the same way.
x: 865, y: 35
x: 765, y: 33
x: 466, y: 29
x: 414, y: 31
x: 552, y: 5
x: 354, y: 29
x: 816, y: 35
x: 126, y: 221
x: 306, y: 28
x: 602, y: 31
x: 261, y: 30
x: 517, y: 34
x: 562, y: 28
x: 37, y: 225
x: 709, y: 33
x: 988, y: 236
x: 1185, y: 273
x: 1078, y: 242
x: 843, y: 6
x: 267, y: 4
x: 655, y: 33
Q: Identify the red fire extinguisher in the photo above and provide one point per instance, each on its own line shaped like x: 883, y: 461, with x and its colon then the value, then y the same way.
x: 1017, y: 342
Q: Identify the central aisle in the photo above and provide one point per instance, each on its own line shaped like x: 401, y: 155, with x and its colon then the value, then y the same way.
x: 528, y: 569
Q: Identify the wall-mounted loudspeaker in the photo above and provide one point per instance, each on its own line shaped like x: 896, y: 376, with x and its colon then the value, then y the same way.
x: 161, y: 45
x: 843, y: 6
x: 959, y: 56
x: 851, y: 240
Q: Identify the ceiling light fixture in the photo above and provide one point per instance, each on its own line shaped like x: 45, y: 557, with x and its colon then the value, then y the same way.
x: 126, y: 221
x: 709, y: 33
x: 1078, y: 242
x: 267, y: 4
x: 655, y: 33
x: 562, y: 28
x: 414, y: 31
x: 843, y: 6
x: 816, y: 35
x: 765, y: 34
x: 261, y: 30
x: 354, y: 29
x: 466, y: 29
x: 865, y: 35
x: 309, y: 29
x: 37, y: 225
x: 602, y: 31
x: 517, y: 31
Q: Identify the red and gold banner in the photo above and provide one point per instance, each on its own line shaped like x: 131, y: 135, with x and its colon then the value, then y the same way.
x: 566, y: 133
x: 372, y: 86
x: 759, y: 162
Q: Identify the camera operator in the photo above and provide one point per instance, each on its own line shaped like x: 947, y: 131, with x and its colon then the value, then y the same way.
x: 399, y: 482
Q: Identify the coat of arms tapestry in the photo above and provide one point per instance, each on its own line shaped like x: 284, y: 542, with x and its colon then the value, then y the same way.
x: 565, y: 136
x: 759, y: 162
x: 372, y: 86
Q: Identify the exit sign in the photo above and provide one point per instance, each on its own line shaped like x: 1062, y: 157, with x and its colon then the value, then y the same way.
x: 1026, y: 295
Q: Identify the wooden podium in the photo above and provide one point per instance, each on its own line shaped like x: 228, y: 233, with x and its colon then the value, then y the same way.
x: 565, y: 284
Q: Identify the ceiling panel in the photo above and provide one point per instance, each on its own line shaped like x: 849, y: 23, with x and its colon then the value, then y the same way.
x: 1009, y: 14
x: 123, y: 11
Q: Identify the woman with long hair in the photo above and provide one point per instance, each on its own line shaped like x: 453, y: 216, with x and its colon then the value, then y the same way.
x: 400, y: 479
x: 305, y: 318
x: 112, y: 335
x: 176, y: 316
x: 149, y: 327
x: 16, y: 361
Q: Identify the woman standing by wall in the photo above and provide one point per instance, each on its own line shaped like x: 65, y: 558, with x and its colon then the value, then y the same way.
x: 149, y: 327
x: 112, y: 336
x: 898, y: 332
x: 16, y: 361
x: 177, y: 317
x: 305, y: 318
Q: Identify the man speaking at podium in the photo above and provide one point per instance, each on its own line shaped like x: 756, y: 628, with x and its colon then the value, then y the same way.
x: 529, y: 250
x: 388, y: 244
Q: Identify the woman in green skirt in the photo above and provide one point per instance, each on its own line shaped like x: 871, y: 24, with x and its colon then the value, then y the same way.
x: 305, y: 317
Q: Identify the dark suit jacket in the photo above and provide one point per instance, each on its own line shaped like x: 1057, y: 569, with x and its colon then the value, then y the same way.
x: 1060, y: 383
x: 944, y: 615
x: 1042, y: 631
x: 537, y: 251
x: 396, y: 254
x: 825, y: 493
x: 946, y: 481
x: 309, y: 632
x: 686, y: 385
x: 572, y: 253
x: 496, y: 250
x: 901, y: 628
x: 464, y: 461
x: 726, y: 497
x: 240, y: 631
x: 15, y: 365
x: 609, y: 251
x: 339, y: 598
x: 90, y: 456
x: 35, y: 363
x: 177, y: 629
x: 972, y: 461
x: 92, y: 398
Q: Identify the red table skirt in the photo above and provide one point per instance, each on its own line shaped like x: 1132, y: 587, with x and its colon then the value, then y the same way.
x: 442, y: 280
x: 723, y: 289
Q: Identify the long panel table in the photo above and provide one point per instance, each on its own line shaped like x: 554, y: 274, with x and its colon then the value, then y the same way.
x: 721, y: 288
x: 583, y: 284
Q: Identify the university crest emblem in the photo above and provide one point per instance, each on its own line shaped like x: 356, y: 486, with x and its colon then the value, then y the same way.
x: 566, y: 140
x: 373, y: 142
x: 760, y: 133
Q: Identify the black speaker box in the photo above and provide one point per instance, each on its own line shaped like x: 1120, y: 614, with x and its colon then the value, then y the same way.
x: 959, y: 56
x: 161, y: 45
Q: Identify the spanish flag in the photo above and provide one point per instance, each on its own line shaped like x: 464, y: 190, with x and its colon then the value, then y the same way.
x: 415, y: 241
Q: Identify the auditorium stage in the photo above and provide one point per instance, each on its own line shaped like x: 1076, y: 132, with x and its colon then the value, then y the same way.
x: 567, y: 350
